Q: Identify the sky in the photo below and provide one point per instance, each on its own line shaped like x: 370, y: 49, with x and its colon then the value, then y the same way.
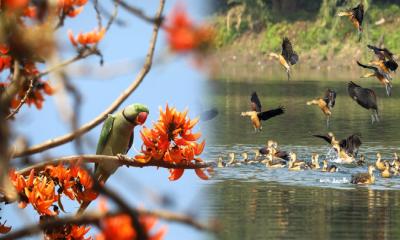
x: 173, y: 80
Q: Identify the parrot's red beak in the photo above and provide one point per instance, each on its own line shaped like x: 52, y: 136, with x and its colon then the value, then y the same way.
x: 141, y: 118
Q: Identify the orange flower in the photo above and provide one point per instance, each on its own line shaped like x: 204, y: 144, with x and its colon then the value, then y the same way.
x: 172, y: 139
x: 78, y: 233
x: 183, y: 35
x: 62, y: 176
x: 68, y: 232
x: 120, y: 227
x: 15, y: 4
x: 42, y: 195
x: 83, y: 188
x: 71, y: 8
x: 3, y: 228
x: 92, y: 37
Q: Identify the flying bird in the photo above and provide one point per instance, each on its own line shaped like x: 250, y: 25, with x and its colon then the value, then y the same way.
x: 287, y: 57
x: 256, y: 115
x: 350, y: 145
x: 116, y: 138
x: 326, y: 104
x: 365, y: 97
x: 356, y: 16
x: 382, y: 77
x: 385, y: 60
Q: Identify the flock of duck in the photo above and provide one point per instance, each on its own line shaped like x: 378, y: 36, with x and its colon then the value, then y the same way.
x: 274, y: 158
x: 381, y: 68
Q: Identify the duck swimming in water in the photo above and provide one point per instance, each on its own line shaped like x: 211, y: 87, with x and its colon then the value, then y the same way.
x: 380, y: 165
x: 328, y: 168
x: 326, y: 104
x: 272, y: 146
x: 287, y: 57
x: 314, y: 162
x: 220, y: 163
x: 256, y: 116
x: 232, y: 160
x: 386, y: 172
x: 274, y: 163
x: 295, y: 164
x: 361, y: 161
x: 364, y: 178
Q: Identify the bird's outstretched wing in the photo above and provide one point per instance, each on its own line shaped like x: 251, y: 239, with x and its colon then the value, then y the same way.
x: 255, y: 102
x: 325, y: 137
x: 330, y: 98
x: 288, y: 53
x: 351, y: 144
x: 271, y: 113
x: 391, y: 64
x: 367, y: 66
x: 377, y: 51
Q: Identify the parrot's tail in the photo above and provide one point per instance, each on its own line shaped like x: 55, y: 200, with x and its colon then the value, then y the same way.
x: 101, y: 177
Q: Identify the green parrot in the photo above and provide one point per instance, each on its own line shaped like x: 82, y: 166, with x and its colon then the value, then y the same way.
x: 116, y: 138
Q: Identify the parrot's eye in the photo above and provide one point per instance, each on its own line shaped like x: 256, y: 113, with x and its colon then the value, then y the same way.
x: 141, y: 118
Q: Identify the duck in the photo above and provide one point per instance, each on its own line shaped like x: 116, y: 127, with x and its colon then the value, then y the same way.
x: 257, y: 155
x: 314, y: 162
x: 287, y: 57
x: 361, y: 161
x: 295, y: 164
x: 274, y: 163
x: 380, y: 165
x: 232, y: 161
x: 246, y: 159
x: 395, y: 168
x: 385, y: 61
x: 326, y: 104
x: 364, y: 97
x: 364, y: 178
x: 356, y: 16
x: 220, y: 163
x: 346, y: 148
x: 256, y: 116
x: 273, y: 146
x: 329, y: 168
x: 395, y: 157
x: 383, y: 78
x: 386, y: 172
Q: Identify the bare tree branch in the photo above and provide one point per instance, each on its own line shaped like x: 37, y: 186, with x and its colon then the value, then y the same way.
x: 101, y: 158
x: 139, y: 13
x: 95, y: 217
x: 99, y: 119
x: 23, y: 100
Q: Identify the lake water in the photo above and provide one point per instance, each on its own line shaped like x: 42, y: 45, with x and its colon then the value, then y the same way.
x: 253, y: 202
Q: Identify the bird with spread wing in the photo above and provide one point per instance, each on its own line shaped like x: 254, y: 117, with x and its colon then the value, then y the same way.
x: 355, y: 16
x: 347, y: 148
x: 385, y: 62
x: 287, y: 57
x: 326, y: 104
x: 382, y: 77
x: 256, y: 115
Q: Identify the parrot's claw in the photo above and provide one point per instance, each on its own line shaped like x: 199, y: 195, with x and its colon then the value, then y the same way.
x: 123, y: 157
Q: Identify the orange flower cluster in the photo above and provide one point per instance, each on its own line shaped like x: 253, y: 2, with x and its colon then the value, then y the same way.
x: 3, y: 228
x: 71, y: 8
x: 171, y: 139
x: 84, y: 39
x: 68, y: 231
x: 184, y: 36
x: 120, y: 227
x: 40, y: 189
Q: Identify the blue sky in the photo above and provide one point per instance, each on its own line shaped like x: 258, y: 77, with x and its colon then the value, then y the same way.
x: 175, y: 81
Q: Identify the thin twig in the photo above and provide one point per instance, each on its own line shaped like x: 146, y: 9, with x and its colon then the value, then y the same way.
x: 23, y: 100
x: 98, y: 14
x: 104, y: 158
x: 139, y: 13
x: 99, y: 119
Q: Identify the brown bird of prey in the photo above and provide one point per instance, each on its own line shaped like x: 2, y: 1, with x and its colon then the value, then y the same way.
x: 356, y: 16
x: 256, y: 116
x: 325, y: 104
x: 287, y: 57
x: 385, y: 62
x: 378, y: 74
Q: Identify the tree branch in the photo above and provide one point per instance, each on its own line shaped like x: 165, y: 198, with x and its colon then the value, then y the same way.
x: 95, y: 217
x: 130, y: 162
x: 139, y: 13
x: 99, y: 119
